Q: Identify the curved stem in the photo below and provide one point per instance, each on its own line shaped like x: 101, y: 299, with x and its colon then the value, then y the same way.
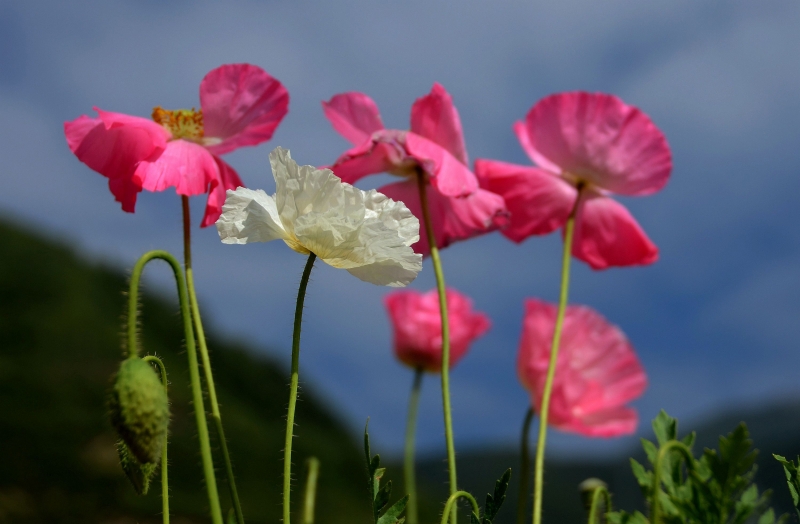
x: 569, y: 228
x: 194, y: 372
x: 440, y: 287
x: 595, y: 508
x: 287, y: 449
x: 164, y: 476
x: 311, y: 490
x: 655, y: 516
x: 201, y: 344
x: 524, y: 467
x: 408, y: 459
x: 449, y: 507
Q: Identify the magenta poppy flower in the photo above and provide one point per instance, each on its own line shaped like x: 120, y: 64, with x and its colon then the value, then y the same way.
x: 418, y: 327
x: 597, y: 372
x: 433, y: 146
x: 595, y: 142
x: 240, y: 105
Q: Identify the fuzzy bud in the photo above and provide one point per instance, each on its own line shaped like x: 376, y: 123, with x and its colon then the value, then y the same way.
x: 139, y: 474
x: 140, y: 409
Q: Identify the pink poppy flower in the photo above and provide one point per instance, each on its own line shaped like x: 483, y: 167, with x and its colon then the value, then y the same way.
x: 433, y: 146
x: 595, y: 142
x: 240, y: 105
x: 418, y: 327
x: 597, y: 371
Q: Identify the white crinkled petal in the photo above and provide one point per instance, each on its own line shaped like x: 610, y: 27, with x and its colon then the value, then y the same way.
x: 249, y: 216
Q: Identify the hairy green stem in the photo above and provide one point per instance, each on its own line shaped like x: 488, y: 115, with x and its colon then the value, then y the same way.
x: 655, y: 507
x: 524, y: 467
x: 164, y: 476
x: 451, y: 504
x: 594, y: 516
x: 408, y: 458
x: 311, y: 490
x: 194, y: 372
x: 569, y: 228
x: 287, y: 449
x: 206, y: 360
x: 440, y: 287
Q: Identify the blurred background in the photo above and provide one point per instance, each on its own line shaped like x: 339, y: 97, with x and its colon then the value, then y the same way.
x: 714, y: 321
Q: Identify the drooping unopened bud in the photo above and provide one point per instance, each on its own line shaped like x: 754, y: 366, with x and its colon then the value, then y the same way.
x: 587, y: 489
x: 139, y: 474
x: 140, y: 409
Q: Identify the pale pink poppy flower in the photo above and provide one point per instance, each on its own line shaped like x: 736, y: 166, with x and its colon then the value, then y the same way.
x: 597, y: 372
x: 417, y: 327
x: 240, y: 105
x: 594, y: 141
x: 433, y: 146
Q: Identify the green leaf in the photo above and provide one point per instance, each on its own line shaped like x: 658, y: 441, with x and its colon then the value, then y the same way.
x: 231, y: 516
x: 665, y: 428
x: 392, y: 514
x: 622, y: 517
x: 381, y: 498
x: 650, y: 449
x: 494, y: 502
x: 792, y: 472
x: 644, y: 477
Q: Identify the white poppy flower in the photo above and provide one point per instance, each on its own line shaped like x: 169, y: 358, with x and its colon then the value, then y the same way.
x: 313, y: 211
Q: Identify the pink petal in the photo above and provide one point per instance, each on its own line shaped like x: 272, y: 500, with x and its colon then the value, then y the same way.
x: 417, y: 327
x: 228, y: 179
x: 539, y: 201
x: 446, y: 172
x: 384, y: 153
x: 242, y: 105
x: 600, y: 139
x: 184, y: 165
x: 434, y: 117
x: 454, y: 219
x: 597, y: 372
x: 354, y: 115
x: 607, y: 235
x: 521, y: 130
x: 113, y: 145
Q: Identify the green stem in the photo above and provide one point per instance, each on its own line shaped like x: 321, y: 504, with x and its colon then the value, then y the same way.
x: 594, y: 516
x: 655, y: 508
x: 569, y: 228
x: 201, y: 344
x: 440, y: 287
x: 194, y: 372
x: 287, y: 449
x: 524, y: 467
x: 311, y: 490
x: 164, y: 476
x: 449, y: 507
x: 408, y: 461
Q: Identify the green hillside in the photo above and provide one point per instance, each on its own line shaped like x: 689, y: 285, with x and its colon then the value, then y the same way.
x: 60, y: 324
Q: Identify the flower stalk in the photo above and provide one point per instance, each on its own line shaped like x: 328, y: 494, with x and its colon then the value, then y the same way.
x: 408, y: 456
x: 440, y: 287
x: 209, y: 376
x: 524, y: 467
x: 569, y: 229
x: 194, y: 372
x: 295, y: 377
x: 164, y: 462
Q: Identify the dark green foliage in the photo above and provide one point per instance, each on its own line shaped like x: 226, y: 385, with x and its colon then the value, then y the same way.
x: 622, y: 517
x: 493, y: 501
x: 139, y: 474
x: 380, y: 494
x: 139, y: 409
x: 792, y: 471
x: 717, y: 488
x: 60, y: 330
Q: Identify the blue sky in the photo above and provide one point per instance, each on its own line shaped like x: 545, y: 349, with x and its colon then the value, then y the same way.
x: 714, y: 321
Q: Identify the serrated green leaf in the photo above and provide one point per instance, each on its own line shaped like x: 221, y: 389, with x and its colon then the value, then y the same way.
x: 689, y: 439
x: 768, y: 517
x: 651, y: 450
x: 495, y: 501
x: 622, y: 517
x: 792, y: 472
x: 381, y: 498
x: 644, y: 477
x: 393, y: 513
x: 665, y: 428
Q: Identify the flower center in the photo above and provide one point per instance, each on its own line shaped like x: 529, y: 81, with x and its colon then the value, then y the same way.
x: 182, y: 123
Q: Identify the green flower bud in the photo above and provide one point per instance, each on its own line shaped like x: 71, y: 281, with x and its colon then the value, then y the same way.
x: 140, y: 409
x: 139, y: 474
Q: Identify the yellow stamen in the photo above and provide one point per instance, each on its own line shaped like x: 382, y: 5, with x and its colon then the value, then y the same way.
x: 182, y: 123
